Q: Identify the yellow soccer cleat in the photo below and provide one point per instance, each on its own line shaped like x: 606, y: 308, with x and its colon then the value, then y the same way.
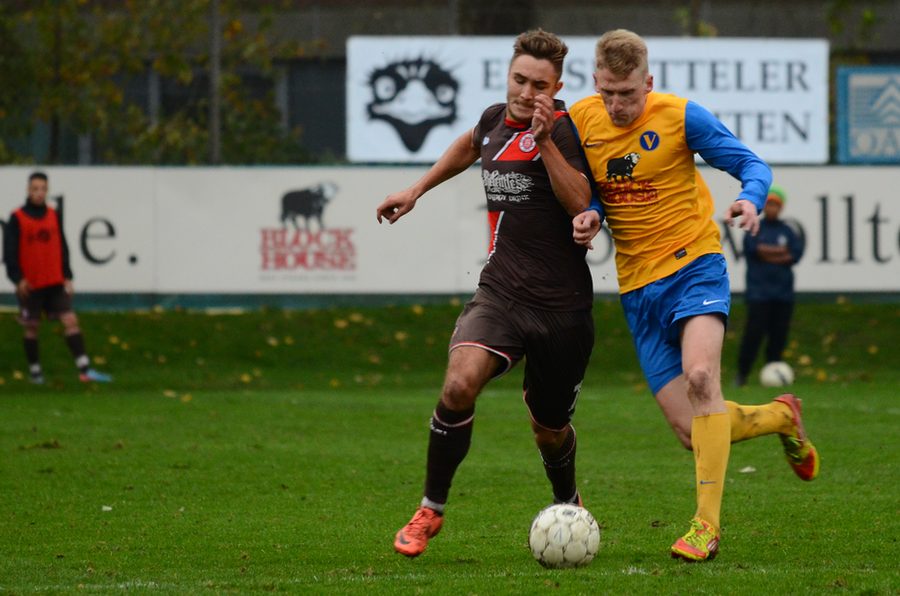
x: 701, y: 543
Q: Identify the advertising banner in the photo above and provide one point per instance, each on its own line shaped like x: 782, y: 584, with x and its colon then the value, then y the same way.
x: 314, y: 231
x: 408, y: 98
x: 869, y: 114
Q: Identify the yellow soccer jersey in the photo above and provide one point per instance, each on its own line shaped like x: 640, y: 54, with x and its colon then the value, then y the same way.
x: 657, y: 206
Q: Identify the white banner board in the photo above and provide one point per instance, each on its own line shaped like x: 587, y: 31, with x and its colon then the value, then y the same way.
x: 408, y: 98
x: 313, y: 230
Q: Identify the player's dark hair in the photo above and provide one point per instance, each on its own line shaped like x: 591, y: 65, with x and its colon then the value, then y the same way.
x: 542, y: 45
x: 620, y: 52
x: 38, y: 176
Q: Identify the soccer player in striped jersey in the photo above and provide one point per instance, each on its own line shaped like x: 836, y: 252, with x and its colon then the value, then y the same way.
x: 535, y: 292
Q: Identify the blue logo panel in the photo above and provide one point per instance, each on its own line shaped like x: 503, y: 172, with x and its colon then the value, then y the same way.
x: 869, y: 114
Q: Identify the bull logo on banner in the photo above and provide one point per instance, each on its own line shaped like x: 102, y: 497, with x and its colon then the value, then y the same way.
x: 307, y: 203
x: 307, y: 248
x: 413, y: 96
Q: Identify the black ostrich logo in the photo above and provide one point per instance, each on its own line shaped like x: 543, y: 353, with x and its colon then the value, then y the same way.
x: 413, y: 96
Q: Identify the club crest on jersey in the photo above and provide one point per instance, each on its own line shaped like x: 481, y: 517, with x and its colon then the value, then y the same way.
x: 526, y: 143
x: 649, y: 140
x: 520, y: 147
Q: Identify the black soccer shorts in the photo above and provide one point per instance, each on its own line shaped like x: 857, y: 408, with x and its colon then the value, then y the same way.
x: 53, y: 300
x: 556, y: 346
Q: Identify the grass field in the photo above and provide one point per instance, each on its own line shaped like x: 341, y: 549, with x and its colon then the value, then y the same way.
x: 280, y: 451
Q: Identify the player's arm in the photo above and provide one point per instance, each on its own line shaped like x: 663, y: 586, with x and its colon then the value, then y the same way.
x: 569, y: 184
x: 795, y: 244
x: 585, y: 226
x: 461, y: 154
x: 67, y: 266
x: 772, y: 253
x: 11, y: 250
x: 718, y: 147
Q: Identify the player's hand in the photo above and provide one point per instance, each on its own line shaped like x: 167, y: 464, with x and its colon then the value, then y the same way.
x: 67, y: 285
x: 542, y: 117
x: 23, y: 288
x: 746, y: 210
x: 585, y: 226
x: 396, y: 205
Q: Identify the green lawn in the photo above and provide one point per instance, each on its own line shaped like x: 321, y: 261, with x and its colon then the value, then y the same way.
x: 280, y: 451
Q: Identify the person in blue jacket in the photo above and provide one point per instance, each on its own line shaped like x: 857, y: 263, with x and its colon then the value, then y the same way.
x: 769, y: 294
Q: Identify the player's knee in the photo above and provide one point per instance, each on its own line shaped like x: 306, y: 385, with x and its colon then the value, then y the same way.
x: 70, y: 322
x: 699, y: 381
x: 549, y: 439
x: 30, y: 329
x: 459, y: 392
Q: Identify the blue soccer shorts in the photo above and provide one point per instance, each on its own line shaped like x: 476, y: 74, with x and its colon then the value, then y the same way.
x: 656, y: 312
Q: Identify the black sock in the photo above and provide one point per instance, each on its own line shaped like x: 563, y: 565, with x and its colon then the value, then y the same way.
x: 560, y: 467
x: 32, y: 355
x: 448, y: 444
x: 76, y: 347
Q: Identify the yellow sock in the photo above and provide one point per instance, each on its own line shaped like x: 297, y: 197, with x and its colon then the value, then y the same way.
x: 711, y: 438
x: 748, y: 422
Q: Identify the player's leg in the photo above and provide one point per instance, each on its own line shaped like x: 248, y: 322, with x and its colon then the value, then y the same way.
x: 693, y: 304
x: 782, y: 416
x: 32, y: 350
x: 754, y: 332
x: 747, y: 421
x: 30, y: 308
x: 59, y: 306
x: 472, y: 363
x: 74, y: 340
x: 558, y: 349
x: 778, y: 328
x: 652, y: 315
x: 702, y: 339
x: 469, y: 369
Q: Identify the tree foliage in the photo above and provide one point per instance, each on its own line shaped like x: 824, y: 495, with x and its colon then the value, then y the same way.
x: 66, y: 65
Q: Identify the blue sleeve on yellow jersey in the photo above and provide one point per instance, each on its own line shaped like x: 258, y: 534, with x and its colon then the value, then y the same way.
x: 586, y: 170
x: 718, y: 147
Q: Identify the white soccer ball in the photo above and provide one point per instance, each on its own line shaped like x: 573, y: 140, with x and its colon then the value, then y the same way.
x: 776, y: 374
x: 564, y: 536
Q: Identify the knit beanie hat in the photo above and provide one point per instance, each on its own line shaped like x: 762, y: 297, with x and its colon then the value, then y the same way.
x: 776, y: 193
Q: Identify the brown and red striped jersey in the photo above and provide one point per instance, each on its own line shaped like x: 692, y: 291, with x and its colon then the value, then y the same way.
x: 532, y: 258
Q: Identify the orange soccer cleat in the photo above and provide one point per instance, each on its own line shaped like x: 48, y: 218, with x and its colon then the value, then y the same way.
x: 799, y: 450
x: 412, y: 538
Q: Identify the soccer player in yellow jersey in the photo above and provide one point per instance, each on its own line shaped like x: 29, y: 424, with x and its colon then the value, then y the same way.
x: 673, y: 279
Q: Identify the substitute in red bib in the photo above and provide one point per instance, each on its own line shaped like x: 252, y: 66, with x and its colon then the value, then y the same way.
x: 534, y: 295
x: 37, y: 263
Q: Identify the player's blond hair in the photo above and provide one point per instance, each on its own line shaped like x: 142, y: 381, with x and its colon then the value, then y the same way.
x: 621, y: 52
x: 542, y: 45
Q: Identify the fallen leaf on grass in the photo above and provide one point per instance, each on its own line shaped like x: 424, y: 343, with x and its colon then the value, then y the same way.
x: 51, y: 444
